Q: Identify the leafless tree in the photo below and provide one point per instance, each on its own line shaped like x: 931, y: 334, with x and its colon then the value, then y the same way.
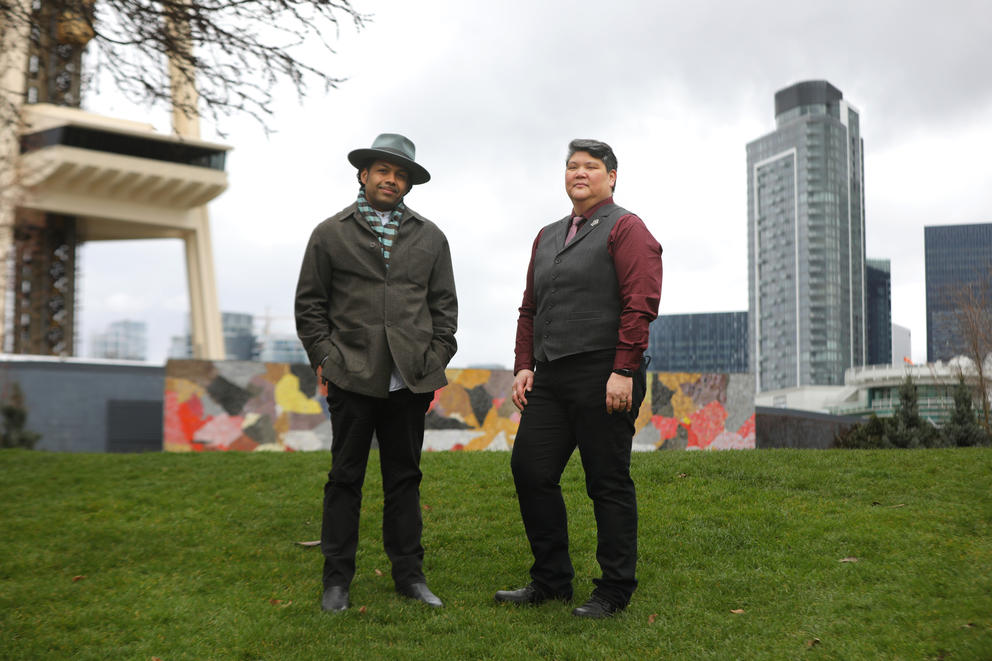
x: 238, y: 51
x: 973, y: 316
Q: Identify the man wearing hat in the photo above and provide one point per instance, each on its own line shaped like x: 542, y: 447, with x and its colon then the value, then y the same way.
x: 376, y: 311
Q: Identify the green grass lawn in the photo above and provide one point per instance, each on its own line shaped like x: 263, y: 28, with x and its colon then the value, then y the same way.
x: 743, y: 555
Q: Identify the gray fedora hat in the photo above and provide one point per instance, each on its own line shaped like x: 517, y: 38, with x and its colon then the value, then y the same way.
x: 394, y: 148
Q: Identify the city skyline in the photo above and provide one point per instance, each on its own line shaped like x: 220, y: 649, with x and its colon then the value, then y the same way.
x: 491, y: 106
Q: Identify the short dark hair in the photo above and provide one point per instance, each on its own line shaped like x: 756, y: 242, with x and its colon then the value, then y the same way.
x: 596, y: 149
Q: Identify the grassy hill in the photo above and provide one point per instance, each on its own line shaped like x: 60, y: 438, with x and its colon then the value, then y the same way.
x: 750, y: 555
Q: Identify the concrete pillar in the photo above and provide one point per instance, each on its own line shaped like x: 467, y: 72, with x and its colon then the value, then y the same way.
x: 204, y: 311
x: 205, y: 324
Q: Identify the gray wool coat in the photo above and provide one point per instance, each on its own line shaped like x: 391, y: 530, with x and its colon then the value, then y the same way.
x: 363, y: 317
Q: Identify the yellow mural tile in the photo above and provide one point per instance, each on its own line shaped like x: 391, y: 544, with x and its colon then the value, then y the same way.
x: 289, y: 397
x: 183, y: 388
x: 492, y: 427
x: 178, y: 447
x: 472, y: 378
x: 644, y: 413
x: 682, y: 404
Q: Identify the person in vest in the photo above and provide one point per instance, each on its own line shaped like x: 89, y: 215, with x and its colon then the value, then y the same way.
x: 376, y: 311
x: 593, y: 286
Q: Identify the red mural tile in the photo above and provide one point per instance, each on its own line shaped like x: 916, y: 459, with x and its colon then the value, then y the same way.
x: 668, y: 427
x: 706, y: 424
x: 747, y: 429
x: 173, y: 432
x: 191, y: 416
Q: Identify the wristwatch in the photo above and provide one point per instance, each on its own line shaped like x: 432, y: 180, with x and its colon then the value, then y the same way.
x: 624, y: 372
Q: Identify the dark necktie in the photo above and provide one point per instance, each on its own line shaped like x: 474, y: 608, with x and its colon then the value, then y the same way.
x: 576, y: 223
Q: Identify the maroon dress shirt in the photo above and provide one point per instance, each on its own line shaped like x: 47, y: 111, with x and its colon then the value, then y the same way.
x: 637, y: 260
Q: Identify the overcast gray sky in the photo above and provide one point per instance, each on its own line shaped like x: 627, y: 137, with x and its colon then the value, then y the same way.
x: 491, y: 93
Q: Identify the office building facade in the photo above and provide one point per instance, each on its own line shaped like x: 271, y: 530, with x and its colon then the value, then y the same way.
x: 878, y: 290
x: 957, y: 257
x: 806, y: 241
x: 710, y: 342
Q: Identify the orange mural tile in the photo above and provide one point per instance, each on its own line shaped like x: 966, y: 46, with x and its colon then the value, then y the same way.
x: 243, y: 443
x: 455, y: 403
x: 644, y: 413
x: 183, y: 389
x: 281, y: 425
x: 471, y: 378
x: 275, y: 371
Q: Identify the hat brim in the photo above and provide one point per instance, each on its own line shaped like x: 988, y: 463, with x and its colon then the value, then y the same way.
x: 363, y: 157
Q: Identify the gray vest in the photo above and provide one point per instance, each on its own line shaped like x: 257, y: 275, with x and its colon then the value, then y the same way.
x: 575, y: 288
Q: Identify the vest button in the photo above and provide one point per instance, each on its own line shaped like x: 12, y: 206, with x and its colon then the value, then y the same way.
x: 557, y: 260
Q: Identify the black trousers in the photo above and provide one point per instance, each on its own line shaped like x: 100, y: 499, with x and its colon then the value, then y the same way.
x: 567, y: 409
x: 398, y: 423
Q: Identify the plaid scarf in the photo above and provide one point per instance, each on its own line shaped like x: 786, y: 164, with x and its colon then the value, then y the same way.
x: 387, y: 231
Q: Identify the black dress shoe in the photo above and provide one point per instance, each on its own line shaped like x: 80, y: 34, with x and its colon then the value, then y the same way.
x: 596, y: 608
x: 530, y: 595
x: 420, y: 592
x: 335, y: 598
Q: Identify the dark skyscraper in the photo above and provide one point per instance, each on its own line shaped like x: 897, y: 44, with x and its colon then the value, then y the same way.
x: 957, y: 257
x: 710, y: 342
x: 806, y: 241
x: 878, y: 292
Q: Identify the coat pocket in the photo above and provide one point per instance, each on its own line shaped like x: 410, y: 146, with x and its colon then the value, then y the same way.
x: 354, y: 347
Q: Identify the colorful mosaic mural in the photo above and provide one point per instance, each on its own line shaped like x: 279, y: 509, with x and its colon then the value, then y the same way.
x: 232, y: 405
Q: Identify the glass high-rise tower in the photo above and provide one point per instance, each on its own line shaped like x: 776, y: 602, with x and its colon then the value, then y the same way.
x: 958, y: 257
x: 878, y: 323
x: 806, y: 241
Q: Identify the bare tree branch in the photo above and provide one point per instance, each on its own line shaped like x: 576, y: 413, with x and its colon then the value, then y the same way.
x: 236, y: 51
x: 973, y: 314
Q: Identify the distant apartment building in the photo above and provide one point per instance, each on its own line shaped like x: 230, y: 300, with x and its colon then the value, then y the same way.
x: 957, y: 257
x: 708, y: 342
x: 878, y: 293
x: 902, y: 344
x: 806, y: 241
x: 123, y: 340
x: 239, y: 335
x: 240, y: 342
x: 283, y: 348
